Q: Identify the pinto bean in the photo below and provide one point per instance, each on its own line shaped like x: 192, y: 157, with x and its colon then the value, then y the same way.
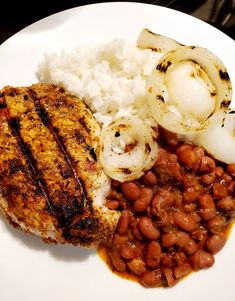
x: 231, y: 169
x: 182, y: 270
x: 151, y: 278
x: 207, y: 210
x: 114, y: 195
x: 161, y: 159
x: 146, y: 195
x: 139, y: 249
x: 119, y: 240
x: 191, y: 247
x: 150, y: 178
x: 178, y: 196
x: 137, y: 266
x: 207, y: 164
x: 169, y: 239
x: 164, y: 219
x: 218, y: 171
x: 148, y: 229
x: 187, y: 157
x: 184, y: 221
x: 189, y: 180
x: 168, y: 229
x: 133, y: 219
x: 130, y: 190
x: 128, y: 251
x: 175, y: 171
x: 192, y: 194
x: 123, y: 222
x: 162, y: 200
x: 227, y: 178
x: 199, y: 234
x: 183, y: 147
x: 215, y: 243
x: 200, y: 153
x: 201, y: 260
x: 231, y: 187
x: 139, y: 206
x: 208, y: 178
x: 195, y: 215
x: 168, y: 273
x: 226, y: 204
x: 201, y: 243
x: 216, y: 224
x: 112, y: 204
x: 153, y: 254
x: 179, y: 258
x: 123, y: 204
x: 167, y: 260
x: 136, y: 232
x: 183, y: 239
x: 118, y: 263
x: 219, y: 190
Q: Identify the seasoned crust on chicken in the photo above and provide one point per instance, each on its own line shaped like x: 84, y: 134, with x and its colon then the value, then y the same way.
x: 50, y: 181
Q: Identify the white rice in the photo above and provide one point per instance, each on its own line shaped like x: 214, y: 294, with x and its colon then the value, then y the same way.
x: 110, y: 78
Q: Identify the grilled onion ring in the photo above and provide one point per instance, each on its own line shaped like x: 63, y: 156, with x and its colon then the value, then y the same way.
x: 127, y: 148
x: 189, y: 90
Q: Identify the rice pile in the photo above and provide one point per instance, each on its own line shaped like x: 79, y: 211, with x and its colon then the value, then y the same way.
x: 110, y: 78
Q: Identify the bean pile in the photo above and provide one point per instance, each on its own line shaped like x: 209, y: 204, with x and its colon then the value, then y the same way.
x: 175, y: 218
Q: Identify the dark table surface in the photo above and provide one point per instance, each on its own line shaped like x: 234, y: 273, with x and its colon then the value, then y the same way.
x: 16, y: 15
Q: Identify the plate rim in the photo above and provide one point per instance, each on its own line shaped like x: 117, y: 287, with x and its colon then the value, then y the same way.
x: 176, y: 289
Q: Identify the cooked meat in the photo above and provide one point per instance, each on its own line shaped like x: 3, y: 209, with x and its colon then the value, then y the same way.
x: 50, y: 181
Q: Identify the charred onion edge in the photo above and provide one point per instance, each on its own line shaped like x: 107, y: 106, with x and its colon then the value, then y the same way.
x: 159, y: 43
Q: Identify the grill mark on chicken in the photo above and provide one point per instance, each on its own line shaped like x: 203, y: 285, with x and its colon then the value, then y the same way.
x: 17, y: 184
x: 26, y: 152
x: 14, y: 129
x: 70, y: 170
x: 68, y: 124
x: 86, y: 202
x: 45, y: 156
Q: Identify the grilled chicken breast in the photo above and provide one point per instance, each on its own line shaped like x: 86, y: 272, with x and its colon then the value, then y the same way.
x: 50, y: 181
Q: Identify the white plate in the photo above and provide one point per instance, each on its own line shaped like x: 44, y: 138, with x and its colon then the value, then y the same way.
x: 33, y: 270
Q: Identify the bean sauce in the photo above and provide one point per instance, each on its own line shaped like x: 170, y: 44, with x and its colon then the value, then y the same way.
x: 174, y: 219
